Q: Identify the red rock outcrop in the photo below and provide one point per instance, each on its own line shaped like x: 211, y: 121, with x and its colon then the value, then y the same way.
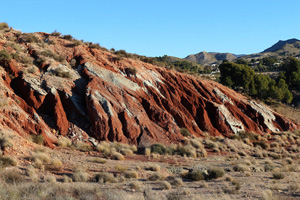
x: 101, y: 97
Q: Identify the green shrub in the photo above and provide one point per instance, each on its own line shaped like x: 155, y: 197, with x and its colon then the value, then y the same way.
x: 3, y: 25
x: 94, y: 46
x: 55, y: 33
x: 215, y: 173
x: 38, y: 139
x: 131, y: 71
x: 68, y: 37
x: 29, y: 37
x: 158, y: 148
x: 195, y: 175
x: 278, y: 175
x: 61, y: 73
x: 5, y: 57
x: 184, y: 132
x: 53, y: 55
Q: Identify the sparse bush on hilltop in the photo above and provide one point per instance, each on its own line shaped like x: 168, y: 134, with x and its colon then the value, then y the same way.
x: 53, y: 55
x: 55, y: 33
x: 68, y: 37
x: 31, y: 38
x: 3, y: 25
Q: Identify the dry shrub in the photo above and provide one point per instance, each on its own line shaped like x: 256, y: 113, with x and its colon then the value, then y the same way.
x: 31, y: 172
x: 165, y: 185
x: 278, y: 175
x: 80, y: 175
x: 155, y: 176
x: 11, y: 177
x: 215, y: 173
x: 41, y: 156
x: 131, y: 174
x: 175, y: 181
x: 5, y: 141
x: 136, y: 186
x: 275, y: 155
x: 194, y: 175
x: 196, y: 143
x: 241, y: 168
x: 153, y: 167
x: 6, y: 161
x: 293, y: 187
x: 67, y: 179
x: 3, y: 26
x: 147, y: 151
x: 202, y: 153
x: 268, y: 195
x: 117, y: 156
x: 55, y: 164
x: 50, y: 179
x: 83, y: 146
x: 274, y: 145
x: 98, y: 160
x: 210, y: 144
x: 64, y: 142
x: 187, y: 150
x: 121, y: 168
x: 105, y: 177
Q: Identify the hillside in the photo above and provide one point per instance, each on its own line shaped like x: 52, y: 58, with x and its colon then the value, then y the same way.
x: 205, y: 58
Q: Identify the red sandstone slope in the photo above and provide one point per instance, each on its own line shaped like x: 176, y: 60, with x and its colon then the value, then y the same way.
x: 102, y: 98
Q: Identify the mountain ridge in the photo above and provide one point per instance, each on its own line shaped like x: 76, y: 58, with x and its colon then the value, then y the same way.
x: 282, y: 48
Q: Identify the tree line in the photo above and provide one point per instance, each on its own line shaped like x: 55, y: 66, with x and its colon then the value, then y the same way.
x: 242, y: 77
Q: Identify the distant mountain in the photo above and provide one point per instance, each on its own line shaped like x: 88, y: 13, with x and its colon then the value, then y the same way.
x: 281, y: 44
x: 207, y: 58
x: 281, y: 49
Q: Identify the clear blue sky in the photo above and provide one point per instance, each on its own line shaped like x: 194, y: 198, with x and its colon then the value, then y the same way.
x: 156, y: 28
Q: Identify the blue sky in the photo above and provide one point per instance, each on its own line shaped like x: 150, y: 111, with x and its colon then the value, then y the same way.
x: 155, y: 28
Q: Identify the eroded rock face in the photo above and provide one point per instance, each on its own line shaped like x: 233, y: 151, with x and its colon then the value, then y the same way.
x: 102, y: 99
